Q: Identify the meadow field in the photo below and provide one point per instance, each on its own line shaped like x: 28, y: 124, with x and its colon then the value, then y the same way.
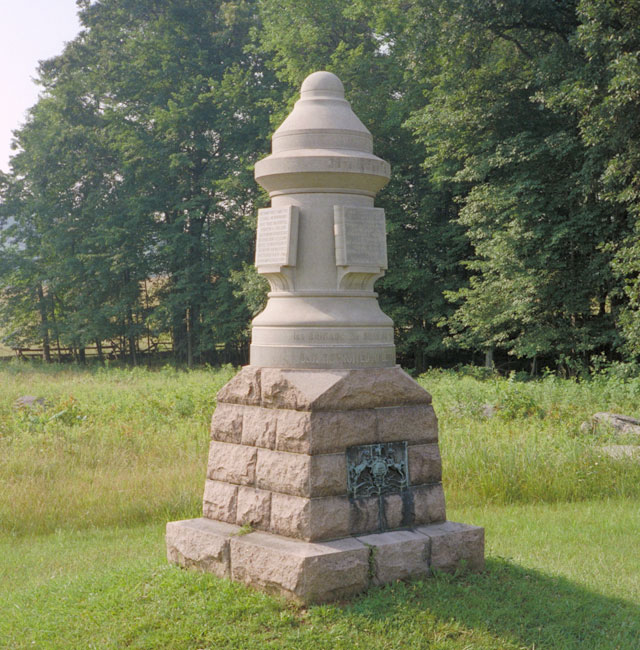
x: 90, y: 477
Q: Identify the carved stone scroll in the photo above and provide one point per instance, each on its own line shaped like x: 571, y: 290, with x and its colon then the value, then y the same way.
x: 361, y: 246
x: 277, y: 245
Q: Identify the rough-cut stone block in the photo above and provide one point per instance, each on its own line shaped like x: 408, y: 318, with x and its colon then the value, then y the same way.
x: 324, y: 432
x: 293, y: 430
x: 244, y: 388
x: 303, y: 571
x: 259, y: 427
x: 322, y: 390
x: 232, y: 463
x: 300, y: 474
x: 220, y: 500
x: 296, y: 389
x: 397, y: 555
x: 328, y: 475
x: 352, y: 428
x: 425, y: 465
x: 371, y: 388
x: 455, y: 546
x: 399, y: 509
x: 283, y: 472
x: 428, y: 503
x: 310, y: 519
x: 226, y: 423
x: 200, y: 543
x: 254, y: 508
x: 415, y: 424
x: 364, y: 515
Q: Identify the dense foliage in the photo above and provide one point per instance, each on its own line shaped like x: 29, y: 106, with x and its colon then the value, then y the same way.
x: 511, y: 127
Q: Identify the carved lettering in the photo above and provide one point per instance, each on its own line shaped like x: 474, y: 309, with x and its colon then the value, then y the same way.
x: 277, y: 238
x: 360, y: 237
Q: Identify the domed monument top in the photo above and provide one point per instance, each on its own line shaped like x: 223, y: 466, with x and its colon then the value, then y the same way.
x: 322, y: 244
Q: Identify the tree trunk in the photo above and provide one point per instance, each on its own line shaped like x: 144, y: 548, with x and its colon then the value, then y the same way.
x: 46, y: 350
x: 488, y: 358
x: 189, y: 339
x: 100, y: 353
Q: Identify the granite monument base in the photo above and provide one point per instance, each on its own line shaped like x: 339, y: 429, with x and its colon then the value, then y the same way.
x: 321, y: 483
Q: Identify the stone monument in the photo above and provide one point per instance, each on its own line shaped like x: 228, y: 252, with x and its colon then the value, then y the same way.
x: 324, y: 473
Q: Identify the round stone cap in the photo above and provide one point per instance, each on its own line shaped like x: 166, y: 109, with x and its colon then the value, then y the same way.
x: 322, y: 83
x: 322, y: 144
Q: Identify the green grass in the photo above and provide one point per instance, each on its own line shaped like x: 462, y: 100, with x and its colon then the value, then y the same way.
x: 531, y: 450
x: 113, y: 447
x: 557, y: 576
x: 89, y: 481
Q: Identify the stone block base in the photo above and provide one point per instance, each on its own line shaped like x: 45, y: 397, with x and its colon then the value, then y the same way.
x: 310, y: 572
x: 338, y: 475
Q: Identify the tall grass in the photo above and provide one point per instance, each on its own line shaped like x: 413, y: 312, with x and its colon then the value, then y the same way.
x: 111, y: 446
x: 125, y: 446
x: 505, y: 441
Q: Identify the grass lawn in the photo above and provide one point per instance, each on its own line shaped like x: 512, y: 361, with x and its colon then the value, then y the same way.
x: 89, y: 480
x: 556, y: 577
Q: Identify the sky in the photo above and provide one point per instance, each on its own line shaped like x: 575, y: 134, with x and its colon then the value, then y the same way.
x: 30, y: 31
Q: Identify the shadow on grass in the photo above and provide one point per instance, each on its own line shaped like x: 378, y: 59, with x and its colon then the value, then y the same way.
x: 512, y: 603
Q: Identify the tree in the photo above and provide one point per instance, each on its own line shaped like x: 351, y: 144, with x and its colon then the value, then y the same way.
x: 541, y: 277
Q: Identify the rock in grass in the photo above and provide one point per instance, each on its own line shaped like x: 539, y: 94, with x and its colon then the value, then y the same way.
x: 619, y: 423
x: 489, y: 410
x: 619, y: 452
x: 31, y: 402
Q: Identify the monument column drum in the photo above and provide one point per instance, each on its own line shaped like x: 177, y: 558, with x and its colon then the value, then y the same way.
x: 324, y: 473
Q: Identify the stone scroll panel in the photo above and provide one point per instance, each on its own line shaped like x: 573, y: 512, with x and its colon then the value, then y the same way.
x: 277, y: 240
x: 360, y: 237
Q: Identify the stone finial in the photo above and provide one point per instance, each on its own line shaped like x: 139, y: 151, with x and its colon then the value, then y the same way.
x: 322, y: 244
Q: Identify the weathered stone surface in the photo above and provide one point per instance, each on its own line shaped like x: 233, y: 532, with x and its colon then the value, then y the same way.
x: 220, y: 501
x: 232, y: 463
x: 254, y: 508
x: 310, y: 519
x: 293, y: 429
x: 200, y: 543
x: 364, y: 515
x: 322, y: 390
x: 296, y: 389
x: 455, y: 546
x: 259, y: 427
x: 372, y: 388
x: 352, y: 428
x: 328, y: 475
x: 425, y: 464
x: 302, y: 571
x: 324, y: 432
x: 619, y: 423
x: 415, y: 424
x: 244, y: 388
x: 397, y: 555
x: 300, y: 474
x: 399, y: 510
x: 428, y: 503
x: 226, y: 423
x: 283, y: 472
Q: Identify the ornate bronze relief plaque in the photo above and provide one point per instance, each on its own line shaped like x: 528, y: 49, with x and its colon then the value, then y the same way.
x: 374, y: 470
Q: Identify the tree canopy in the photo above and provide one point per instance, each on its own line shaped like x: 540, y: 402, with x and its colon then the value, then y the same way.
x: 513, y: 209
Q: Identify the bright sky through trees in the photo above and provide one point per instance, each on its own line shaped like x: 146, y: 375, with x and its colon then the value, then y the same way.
x: 30, y: 30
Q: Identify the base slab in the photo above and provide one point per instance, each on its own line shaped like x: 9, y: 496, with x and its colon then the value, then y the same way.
x: 310, y: 572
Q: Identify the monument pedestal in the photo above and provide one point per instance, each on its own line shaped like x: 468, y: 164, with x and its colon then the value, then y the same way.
x: 321, y: 483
